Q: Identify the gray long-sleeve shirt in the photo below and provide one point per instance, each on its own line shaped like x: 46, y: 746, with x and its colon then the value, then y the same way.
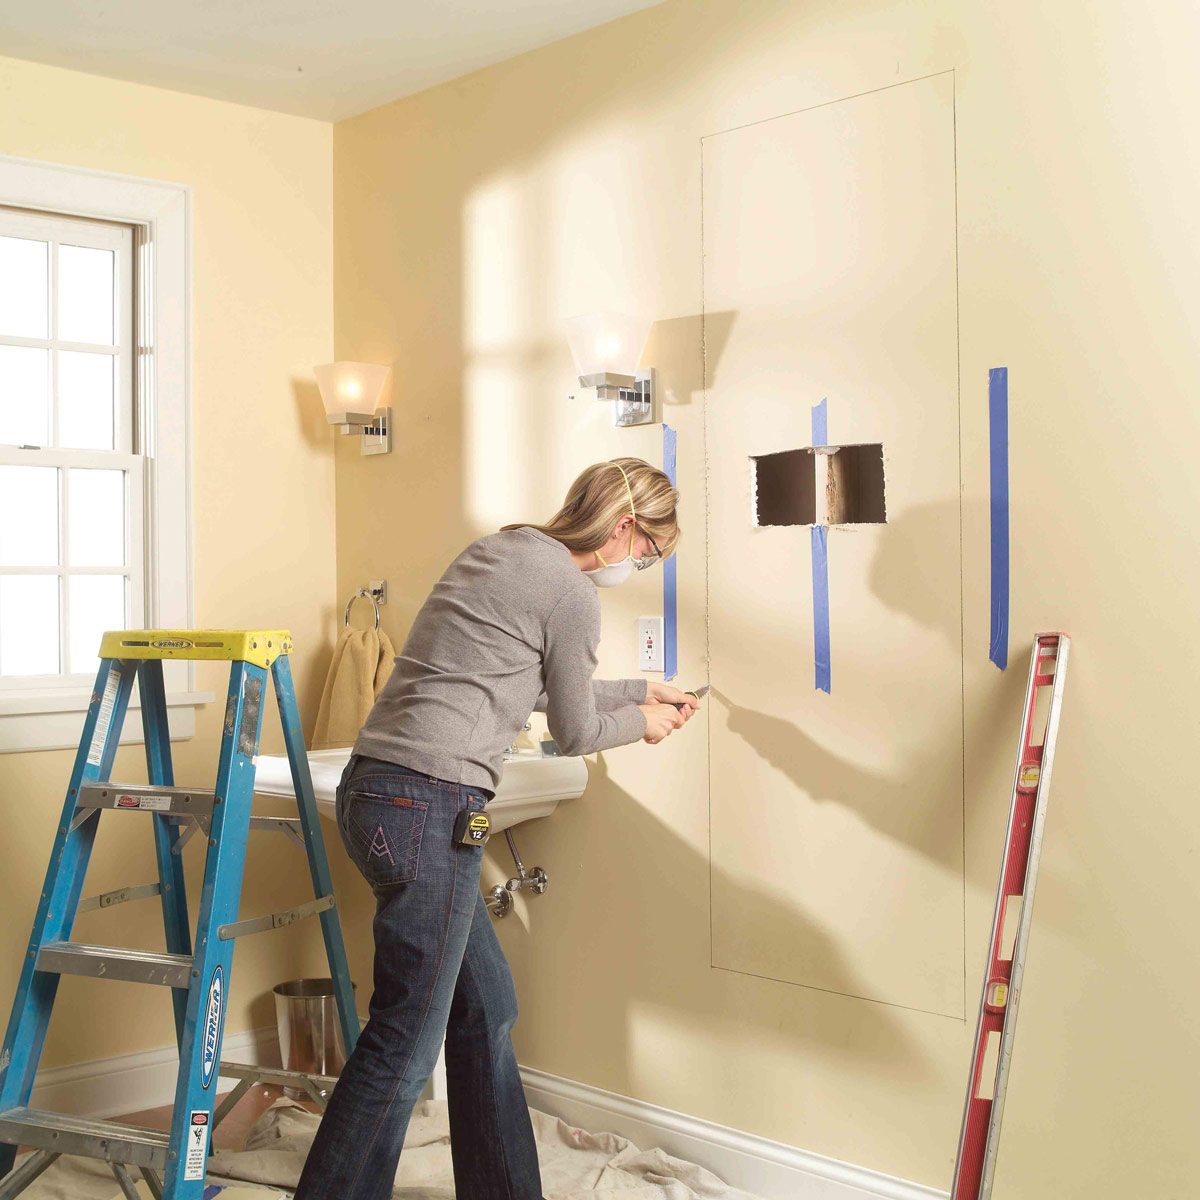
x: 510, y: 628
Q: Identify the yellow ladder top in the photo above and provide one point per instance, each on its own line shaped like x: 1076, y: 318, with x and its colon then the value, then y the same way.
x: 258, y: 646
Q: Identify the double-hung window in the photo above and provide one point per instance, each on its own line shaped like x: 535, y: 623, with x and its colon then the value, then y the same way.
x: 72, y: 557
x: 95, y: 459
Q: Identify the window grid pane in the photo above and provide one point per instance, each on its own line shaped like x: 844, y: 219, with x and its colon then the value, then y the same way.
x: 96, y: 518
x: 95, y: 603
x: 60, y: 394
x: 25, y: 298
x: 29, y: 528
x: 29, y: 629
x: 24, y: 395
x: 85, y: 288
x: 85, y: 400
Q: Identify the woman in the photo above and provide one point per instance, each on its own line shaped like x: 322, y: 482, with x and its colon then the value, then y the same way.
x: 511, y: 627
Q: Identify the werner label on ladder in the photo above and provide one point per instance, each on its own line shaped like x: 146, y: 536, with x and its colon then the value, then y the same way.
x: 196, y: 967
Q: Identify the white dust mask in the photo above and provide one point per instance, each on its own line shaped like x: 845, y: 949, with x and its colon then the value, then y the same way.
x: 610, y: 574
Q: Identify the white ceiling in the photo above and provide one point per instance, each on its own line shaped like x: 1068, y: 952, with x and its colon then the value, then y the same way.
x: 317, y: 58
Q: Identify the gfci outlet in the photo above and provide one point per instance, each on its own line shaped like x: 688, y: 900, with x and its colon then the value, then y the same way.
x: 650, y: 643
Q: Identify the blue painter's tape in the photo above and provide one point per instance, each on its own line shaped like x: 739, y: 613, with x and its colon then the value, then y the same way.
x: 998, y: 452
x: 820, y: 579
x: 670, y: 577
x: 820, y: 424
x: 820, y: 565
x: 212, y: 1191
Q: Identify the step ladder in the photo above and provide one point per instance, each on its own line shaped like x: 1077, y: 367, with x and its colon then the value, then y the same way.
x: 196, y: 970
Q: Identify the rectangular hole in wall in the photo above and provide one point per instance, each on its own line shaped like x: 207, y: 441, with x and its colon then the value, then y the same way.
x: 785, y: 488
x: 854, y: 486
x: 985, y: 1088
x: 1010, y: 922
x: 1041, y: 714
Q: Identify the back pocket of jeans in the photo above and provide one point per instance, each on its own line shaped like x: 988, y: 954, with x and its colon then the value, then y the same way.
x: 383, y: 835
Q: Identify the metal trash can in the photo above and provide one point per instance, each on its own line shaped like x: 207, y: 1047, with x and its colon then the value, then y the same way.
x: 310, y: 1034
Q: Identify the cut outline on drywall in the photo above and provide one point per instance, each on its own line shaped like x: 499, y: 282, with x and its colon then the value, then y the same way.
x: 998, y: 463
x: 958, y: 1017
x: 670, y: 571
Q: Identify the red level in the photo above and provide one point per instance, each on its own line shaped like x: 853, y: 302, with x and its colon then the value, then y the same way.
x: 1002, y: 980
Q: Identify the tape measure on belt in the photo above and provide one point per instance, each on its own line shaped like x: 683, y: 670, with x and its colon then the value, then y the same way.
x: 472, y: 828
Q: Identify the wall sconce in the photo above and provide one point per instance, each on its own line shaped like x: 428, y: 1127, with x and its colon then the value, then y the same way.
x: 606, y: 347
x: 350, y: 392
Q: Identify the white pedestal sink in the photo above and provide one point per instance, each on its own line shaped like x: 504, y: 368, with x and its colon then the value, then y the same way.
x: 531, y: 786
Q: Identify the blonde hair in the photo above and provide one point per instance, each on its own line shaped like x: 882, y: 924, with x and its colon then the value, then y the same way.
x: 600, y: 497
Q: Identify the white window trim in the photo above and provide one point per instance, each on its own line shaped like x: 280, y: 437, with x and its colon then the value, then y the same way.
x: 54, y: 720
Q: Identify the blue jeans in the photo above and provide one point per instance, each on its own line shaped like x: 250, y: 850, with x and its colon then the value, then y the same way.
x: 439, y: 970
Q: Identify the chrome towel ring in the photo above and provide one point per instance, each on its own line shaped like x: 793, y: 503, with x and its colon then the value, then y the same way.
x: 366, y: 595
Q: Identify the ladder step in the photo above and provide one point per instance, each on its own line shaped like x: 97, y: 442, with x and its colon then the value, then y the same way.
x: 147, y: 797
x: 116, y: 962
x: 66, y: 1134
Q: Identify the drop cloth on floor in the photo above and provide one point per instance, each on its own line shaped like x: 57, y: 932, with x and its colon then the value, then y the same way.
x: 575, y: 1164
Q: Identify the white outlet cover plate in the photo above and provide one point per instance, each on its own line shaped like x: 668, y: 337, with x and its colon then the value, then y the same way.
x: 650, y: 643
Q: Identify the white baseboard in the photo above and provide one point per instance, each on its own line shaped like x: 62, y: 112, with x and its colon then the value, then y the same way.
x: 132, y: 1083
x: 772, y: 1170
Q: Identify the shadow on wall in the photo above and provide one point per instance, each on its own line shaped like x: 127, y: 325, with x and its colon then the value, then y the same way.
x: 448, y: 307
x: 652, y: 856
x: 988, y: 731
x: 684, y: 350
x: 652, y: 865
x: 900, y: 554
x: 310, y: 414
x: 990, y: 727
x: 882, y: 800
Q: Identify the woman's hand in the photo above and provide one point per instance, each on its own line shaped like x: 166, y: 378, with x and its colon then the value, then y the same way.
x: 661, y: 720
x: 664, y: 693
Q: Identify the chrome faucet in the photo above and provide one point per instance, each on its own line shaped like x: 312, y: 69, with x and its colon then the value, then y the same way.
x: 512, y: 747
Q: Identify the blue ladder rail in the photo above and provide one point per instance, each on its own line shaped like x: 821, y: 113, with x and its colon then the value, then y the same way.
x: 196, y: 967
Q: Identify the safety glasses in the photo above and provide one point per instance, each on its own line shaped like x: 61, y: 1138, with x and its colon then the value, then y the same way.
x: 648, y: 560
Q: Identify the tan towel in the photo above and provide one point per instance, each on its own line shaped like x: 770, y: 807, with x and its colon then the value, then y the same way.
x: 362, y: 662
x: 387, y: 661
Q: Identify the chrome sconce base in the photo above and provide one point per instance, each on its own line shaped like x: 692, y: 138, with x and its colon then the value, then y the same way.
x: 375, y: 428
x: 632, y: 395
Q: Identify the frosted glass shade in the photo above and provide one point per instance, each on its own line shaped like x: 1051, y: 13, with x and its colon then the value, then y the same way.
x: 350, y: 386
x: 607, y: 342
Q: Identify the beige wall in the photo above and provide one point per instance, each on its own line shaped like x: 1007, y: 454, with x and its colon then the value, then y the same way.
x: 471, y: 219
x: 820, y: 228
x: 263, y: 494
